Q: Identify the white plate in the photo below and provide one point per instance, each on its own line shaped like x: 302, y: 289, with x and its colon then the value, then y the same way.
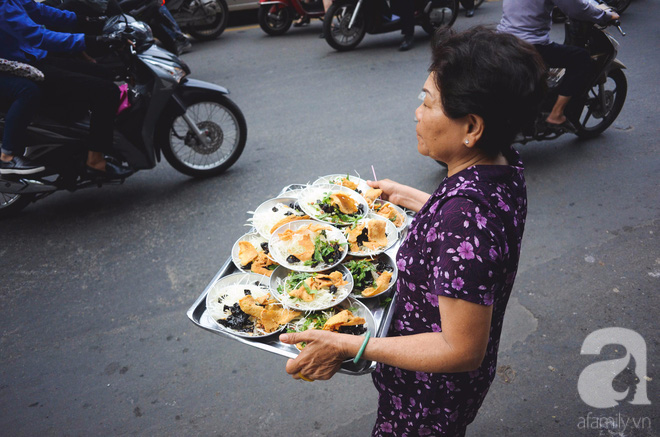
x: 278, y: 248
x: 386, y: 259
x: 357, y: 308
x: 293, y: 190
x: 265, y: 218
x: 390, y: 230
x: 323, y: 301
x: 229, y: 290
x: 398, y: 210
x: 362, y: 186
x: 308, y: 198
x: 253, y: 238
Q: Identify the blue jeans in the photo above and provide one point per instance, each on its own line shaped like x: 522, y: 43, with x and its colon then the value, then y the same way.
x: 19, y: 97
x: 173, y: 30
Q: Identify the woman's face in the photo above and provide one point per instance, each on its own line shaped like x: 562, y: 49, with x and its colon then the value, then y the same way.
x: 438, y: 136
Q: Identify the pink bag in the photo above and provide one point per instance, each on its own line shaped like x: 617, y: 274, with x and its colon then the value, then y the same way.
x: 124, y: 104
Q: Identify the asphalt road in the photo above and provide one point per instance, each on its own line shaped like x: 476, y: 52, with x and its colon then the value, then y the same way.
x: 96, y: 284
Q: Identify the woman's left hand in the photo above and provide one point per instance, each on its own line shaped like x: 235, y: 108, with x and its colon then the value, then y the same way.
x: 321, y: 357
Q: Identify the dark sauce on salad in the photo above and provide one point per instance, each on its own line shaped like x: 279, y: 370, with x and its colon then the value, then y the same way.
x: 292, y: 259
x: 237, y: 320
x: 354, y: 330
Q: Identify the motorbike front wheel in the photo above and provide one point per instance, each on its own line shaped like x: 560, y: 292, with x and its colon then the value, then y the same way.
x: 601, y: 105
x: 442, y: 13
x: 275, y: 19
x: 11, y: 204
x: 336, y: 27
x: 215, y: 29
x: 223, y: 127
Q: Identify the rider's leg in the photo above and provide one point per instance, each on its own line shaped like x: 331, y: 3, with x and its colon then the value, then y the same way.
x: 20, y: 98
x: 557, y: 114
x: 89, y: 86
x: 578, y: 66
x: 468, y: 5
x: 406, y: 10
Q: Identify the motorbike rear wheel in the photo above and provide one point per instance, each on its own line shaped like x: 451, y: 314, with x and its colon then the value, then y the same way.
x: 222, y: 124
x: 443, y: 13
x: 596, y: 116
x: 275, y: 20
x: 335, y: 27
x: 215, y: 29
x: 11, y: 204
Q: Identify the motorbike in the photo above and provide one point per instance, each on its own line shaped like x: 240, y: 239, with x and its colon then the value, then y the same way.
x: 198, y: 129
x: 205, y: 20
x: 596, y: 108
x: 347, y: 21
x: 276, y: 16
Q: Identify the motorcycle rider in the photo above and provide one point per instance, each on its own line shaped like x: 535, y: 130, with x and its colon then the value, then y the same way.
x: 20, y: 97
x: 85, y: 84
x: 531, y: 21
x: 161, y: 21
x: 406, y: 10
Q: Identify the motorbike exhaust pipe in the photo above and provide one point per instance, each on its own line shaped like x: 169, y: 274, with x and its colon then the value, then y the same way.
x: 25, y: 186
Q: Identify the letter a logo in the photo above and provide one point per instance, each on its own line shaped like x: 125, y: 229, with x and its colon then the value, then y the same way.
x: 595, y: 382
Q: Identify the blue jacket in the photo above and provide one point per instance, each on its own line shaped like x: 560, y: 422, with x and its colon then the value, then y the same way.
x: 22, y: 36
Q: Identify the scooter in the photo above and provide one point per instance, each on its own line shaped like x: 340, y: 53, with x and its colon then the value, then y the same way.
x: 203, y: 19
x: 347, y: 21
x: 275, y: 16
x: 596, y: 108
x: 198, y: 129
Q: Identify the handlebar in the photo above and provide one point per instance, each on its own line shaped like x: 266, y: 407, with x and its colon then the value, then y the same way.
x: 617, y: 24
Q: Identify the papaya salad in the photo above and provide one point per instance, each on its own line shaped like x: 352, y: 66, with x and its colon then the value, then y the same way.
x: 274, y: 213
x: 371, y: 277
x: 310, y: 291
x: 333, y: 204
x: 308, y: 246
x: 345, y: 321
x: 247, y: 309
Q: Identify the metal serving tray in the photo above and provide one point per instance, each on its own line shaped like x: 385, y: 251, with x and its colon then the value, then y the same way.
x: 381, y: 307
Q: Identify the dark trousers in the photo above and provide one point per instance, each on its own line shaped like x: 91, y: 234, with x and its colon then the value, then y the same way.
x: 576, y: 60
x: 77, y: 84
x: 19, y: 97
x: 406, y: 10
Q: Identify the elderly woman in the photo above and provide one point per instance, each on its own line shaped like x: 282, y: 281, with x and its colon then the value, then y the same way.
x: 459, y: 260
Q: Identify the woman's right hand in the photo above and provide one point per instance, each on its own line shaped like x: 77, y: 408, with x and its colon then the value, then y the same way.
x: 399, y: 194
x: 389, y: 188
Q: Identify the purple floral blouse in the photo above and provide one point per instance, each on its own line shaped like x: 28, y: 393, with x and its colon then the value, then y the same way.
x: 464, y: 243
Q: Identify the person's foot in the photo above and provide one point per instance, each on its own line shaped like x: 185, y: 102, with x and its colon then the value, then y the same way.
x: 407, y: 43
x: 565, y: 126
x: 111, y: 171
x: 19, y: 165
x: 555, y: 120
x: 182, y: 46
x: 302, y: 22
x: 469, y: 12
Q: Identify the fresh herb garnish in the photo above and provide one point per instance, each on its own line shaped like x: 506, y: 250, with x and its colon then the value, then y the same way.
x: 361, y: 271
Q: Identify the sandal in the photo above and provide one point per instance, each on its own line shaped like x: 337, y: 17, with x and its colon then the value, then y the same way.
x: 566, y: 126
x: 302, y: 22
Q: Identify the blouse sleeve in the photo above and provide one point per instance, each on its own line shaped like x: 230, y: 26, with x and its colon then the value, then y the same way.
x: 465, y: 251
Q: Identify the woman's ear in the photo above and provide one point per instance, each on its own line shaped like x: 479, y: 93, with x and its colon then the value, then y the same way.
x: 475, y: 129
